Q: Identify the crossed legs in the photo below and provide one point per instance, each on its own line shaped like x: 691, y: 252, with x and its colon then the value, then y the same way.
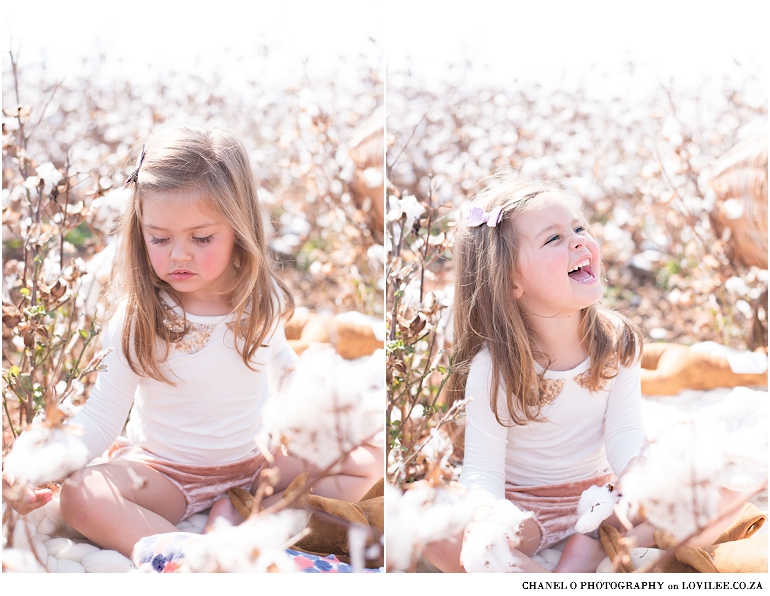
x: 117, y: 503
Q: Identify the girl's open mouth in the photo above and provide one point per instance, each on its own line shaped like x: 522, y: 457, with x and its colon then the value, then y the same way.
x: 582, y: 272
x: 181, y: 275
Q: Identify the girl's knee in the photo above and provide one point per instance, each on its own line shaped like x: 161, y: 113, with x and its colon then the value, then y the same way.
x: 366, y: 461
x: 72, y: 498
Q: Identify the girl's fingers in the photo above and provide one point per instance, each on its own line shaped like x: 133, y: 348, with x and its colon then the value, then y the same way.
x: 33, y: 499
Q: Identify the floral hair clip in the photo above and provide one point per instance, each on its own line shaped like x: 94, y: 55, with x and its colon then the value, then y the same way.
x: 134, y: 177
x: 478, y: 216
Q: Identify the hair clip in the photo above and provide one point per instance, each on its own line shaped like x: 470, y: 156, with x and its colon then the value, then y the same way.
x: 478, y: 216
x: 134, y: 177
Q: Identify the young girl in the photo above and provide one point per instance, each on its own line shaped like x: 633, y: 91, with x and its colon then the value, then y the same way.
x: 197, y: 340
x: 553, y: 376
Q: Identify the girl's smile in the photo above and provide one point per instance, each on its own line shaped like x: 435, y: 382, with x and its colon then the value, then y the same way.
x: 559, y: 262
x: 190, y: 247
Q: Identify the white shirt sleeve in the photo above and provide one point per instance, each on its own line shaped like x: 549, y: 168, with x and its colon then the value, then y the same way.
x: 483, y: 472
x: 624, y: 436
x: 106, y: 410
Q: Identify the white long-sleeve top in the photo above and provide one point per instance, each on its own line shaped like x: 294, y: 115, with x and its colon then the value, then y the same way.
x: 212, y: 413
x: 585, y: 433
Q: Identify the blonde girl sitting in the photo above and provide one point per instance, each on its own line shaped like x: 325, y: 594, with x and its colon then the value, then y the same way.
x: 197, y: 341
x: 553, y: 376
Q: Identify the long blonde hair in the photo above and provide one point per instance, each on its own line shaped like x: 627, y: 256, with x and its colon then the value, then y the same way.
x: 213, y: 165
x: 485, y: 313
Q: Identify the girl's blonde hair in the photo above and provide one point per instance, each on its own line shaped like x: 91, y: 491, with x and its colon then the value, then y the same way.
x: 485, y: 312
x: 212, y: 166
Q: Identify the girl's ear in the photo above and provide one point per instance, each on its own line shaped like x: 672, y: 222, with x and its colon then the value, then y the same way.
x: 518, y: 290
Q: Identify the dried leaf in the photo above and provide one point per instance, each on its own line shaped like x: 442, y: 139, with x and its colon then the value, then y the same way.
x: 242, y: 500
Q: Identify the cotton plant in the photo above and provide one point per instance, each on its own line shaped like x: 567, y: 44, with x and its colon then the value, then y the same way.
x: 257, y: 545
x: 488, y: 546
x: 595, y: 505
x: 724, y: 445
x: 44, y: 453
x: 419, y: 516
x: 328, y: 407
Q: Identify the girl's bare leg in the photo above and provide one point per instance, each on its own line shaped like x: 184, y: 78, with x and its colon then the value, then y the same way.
x: 360, y: 470
x: 581, y: 554
x: 116, y: 504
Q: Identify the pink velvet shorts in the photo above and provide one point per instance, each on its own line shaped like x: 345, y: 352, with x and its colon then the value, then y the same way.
x: 554, y: 506
x: 200, y: 485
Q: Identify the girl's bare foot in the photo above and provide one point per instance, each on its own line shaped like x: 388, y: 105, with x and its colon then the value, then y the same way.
x: 222, y: 509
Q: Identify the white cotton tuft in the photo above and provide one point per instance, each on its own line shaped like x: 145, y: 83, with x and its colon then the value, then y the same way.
x: 596, y: 504
x: 52, y: 565
x: 41, y: 454
x: 722, y: 445
x: 257, y: 545
x: 106, y: 561
x: 329, y: 407
x: 17, y: 560
x: 488, y: 547
x: 419, y: 516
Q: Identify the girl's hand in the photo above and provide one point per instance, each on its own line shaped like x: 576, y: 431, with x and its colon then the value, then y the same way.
x: 29, y: 500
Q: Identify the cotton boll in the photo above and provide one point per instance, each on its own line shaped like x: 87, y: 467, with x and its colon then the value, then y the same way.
x: 678, y: 487
x: 329, y: 406
x: 488, y: 547
x: 257, y: 545
x: 56, y: 545
x: 77, y: 552
x: 41, y: 454
x: 508, y: 514
x: 106, y: 561
x: 596, y: 504
x: 419, y: 516
x: 67, y: 566
x: 16, y: 560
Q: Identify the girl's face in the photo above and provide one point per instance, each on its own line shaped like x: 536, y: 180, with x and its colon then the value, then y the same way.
x: 558, y: 262
x: 191, y: 248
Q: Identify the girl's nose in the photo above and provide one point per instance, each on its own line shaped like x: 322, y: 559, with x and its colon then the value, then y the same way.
x: 578, y: 241
x: 179, y: 253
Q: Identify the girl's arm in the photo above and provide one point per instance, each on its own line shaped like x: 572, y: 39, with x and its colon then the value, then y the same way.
x: 486, y: 439
x: 282, y: 359
x: 624, y: 436
x: 106, y: 410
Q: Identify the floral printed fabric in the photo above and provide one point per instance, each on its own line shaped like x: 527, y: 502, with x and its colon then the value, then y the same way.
x: 165, y: 554
x: 316, y: 564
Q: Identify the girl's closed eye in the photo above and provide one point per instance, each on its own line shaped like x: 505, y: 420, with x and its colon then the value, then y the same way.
x: 205, y: 240
x: 154, y: 240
